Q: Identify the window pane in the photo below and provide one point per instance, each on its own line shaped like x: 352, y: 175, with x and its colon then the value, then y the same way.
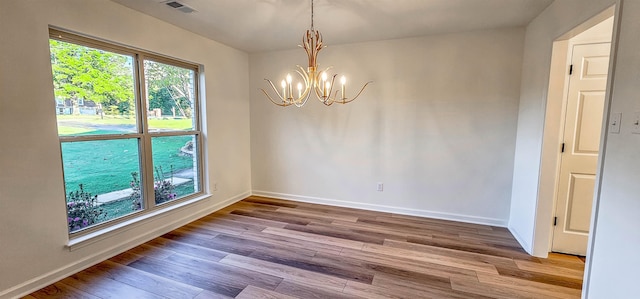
x: 101, y: 180
x: 94, y: 90
x: 170, y: 97
x: 175, y: 167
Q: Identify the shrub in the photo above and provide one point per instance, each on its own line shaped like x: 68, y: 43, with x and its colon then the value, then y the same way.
x: 136, y: 195
x: 164, y: 189
x: 83, y: 209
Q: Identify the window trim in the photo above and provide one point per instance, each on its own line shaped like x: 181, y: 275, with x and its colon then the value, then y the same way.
x: 142, y: 134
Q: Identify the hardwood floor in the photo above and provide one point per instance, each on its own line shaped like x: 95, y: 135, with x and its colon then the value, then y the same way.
x: 270, y: 248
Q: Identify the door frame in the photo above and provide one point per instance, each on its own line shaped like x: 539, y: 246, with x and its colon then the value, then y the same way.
x: 552, y: 132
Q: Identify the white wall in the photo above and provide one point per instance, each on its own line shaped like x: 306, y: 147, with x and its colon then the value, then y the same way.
x: 437, y: 127
x: 613, y: 260
x: 33, y: 230
x: 528, y: 212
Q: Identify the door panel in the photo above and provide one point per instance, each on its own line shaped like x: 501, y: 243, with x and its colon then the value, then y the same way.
x: 595, y: 67
x: 580, y: 195
x: 589, y: 122
x: 583, y: 121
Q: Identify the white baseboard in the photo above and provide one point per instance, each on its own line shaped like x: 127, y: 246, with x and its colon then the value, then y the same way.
x: 70, y: 269
x: 385, y: 208
x: 523, y: 243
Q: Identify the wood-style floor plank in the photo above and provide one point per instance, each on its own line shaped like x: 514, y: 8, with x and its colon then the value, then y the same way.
x: 272, y: 248
x: 215, y: 282
x: 290, y: 273
x: 62, y: 291
x: 252, y: 292
x: 529, y: 286
x: 314, y: 238
x: 143, y: 280
x: 311, y: 292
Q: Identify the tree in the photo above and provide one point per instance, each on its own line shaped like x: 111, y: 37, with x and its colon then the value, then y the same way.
x: 169, y: 86
x: 81, y: 72
x: 162, y: 99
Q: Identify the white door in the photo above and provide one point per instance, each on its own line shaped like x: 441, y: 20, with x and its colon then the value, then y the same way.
x: 585, y: 104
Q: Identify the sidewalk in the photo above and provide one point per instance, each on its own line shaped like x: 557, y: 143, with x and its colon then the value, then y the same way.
x: 125, y: 193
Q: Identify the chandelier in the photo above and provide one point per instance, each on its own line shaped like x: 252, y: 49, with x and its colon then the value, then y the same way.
x: 313, y: 81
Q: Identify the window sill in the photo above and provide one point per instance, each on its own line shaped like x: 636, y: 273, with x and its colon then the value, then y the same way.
x: 108, y: 232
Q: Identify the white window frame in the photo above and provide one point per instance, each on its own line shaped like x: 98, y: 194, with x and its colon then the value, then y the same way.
x: 144, y: 136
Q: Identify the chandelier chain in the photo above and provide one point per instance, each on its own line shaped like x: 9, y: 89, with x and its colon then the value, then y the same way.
x: 311, y: 15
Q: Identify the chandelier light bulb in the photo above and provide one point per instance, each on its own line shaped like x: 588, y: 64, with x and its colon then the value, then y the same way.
x: 289, y: 78
x: 343, y: 80
x: 327, y: 89
x: 324, y: 76
x: 284, y: 89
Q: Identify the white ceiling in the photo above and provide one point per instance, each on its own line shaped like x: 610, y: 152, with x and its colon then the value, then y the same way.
x: 265, y: 25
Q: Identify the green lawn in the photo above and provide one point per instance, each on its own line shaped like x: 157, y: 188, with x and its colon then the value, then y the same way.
x: 171, y: 124
x: 65, y: 130
x: 106, y: 165
x: 85, y: 124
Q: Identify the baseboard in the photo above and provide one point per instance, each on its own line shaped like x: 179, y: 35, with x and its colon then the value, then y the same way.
x: 385, y: 208
x: 523, y: 243
x: 65, y: 271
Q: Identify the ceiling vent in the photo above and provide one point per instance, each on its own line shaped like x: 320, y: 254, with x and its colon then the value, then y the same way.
x: 179, y: 6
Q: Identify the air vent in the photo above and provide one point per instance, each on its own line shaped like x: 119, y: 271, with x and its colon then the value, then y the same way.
x: 174, y: 4
x: 179, y: 6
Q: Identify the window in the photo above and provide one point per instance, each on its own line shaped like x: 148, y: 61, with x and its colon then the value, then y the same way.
x: 129, y: 129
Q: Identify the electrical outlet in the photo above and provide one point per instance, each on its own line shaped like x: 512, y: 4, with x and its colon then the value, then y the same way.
x: 215, y: 186
x: 380, y: 187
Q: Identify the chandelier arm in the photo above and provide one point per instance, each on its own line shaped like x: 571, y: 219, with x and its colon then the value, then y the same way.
x: 301, y: 103
x: 304, y: 98
x: 317, y: 85
x: 303, y: 74
x: 329, y: 102
x: 318, y: 91
x: 284, y: 102
x: 272, y: 101
x: 333, y: 79
x: 307, y: 90
x: 344, y: 101
x: 335, y: 97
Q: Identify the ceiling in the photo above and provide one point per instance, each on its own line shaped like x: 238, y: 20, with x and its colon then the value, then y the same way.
x: 266, y: 25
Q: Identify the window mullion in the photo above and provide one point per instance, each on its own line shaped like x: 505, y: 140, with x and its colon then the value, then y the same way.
x: 145, y: 144
x: 174, y: 133
x: 98, y: 137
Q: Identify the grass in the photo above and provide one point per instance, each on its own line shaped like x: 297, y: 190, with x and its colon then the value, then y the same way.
x: 85, y: 124
x: 106, y: 165
x: 171, y: 124
x: 63, y: 130
x: 117, y: 208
